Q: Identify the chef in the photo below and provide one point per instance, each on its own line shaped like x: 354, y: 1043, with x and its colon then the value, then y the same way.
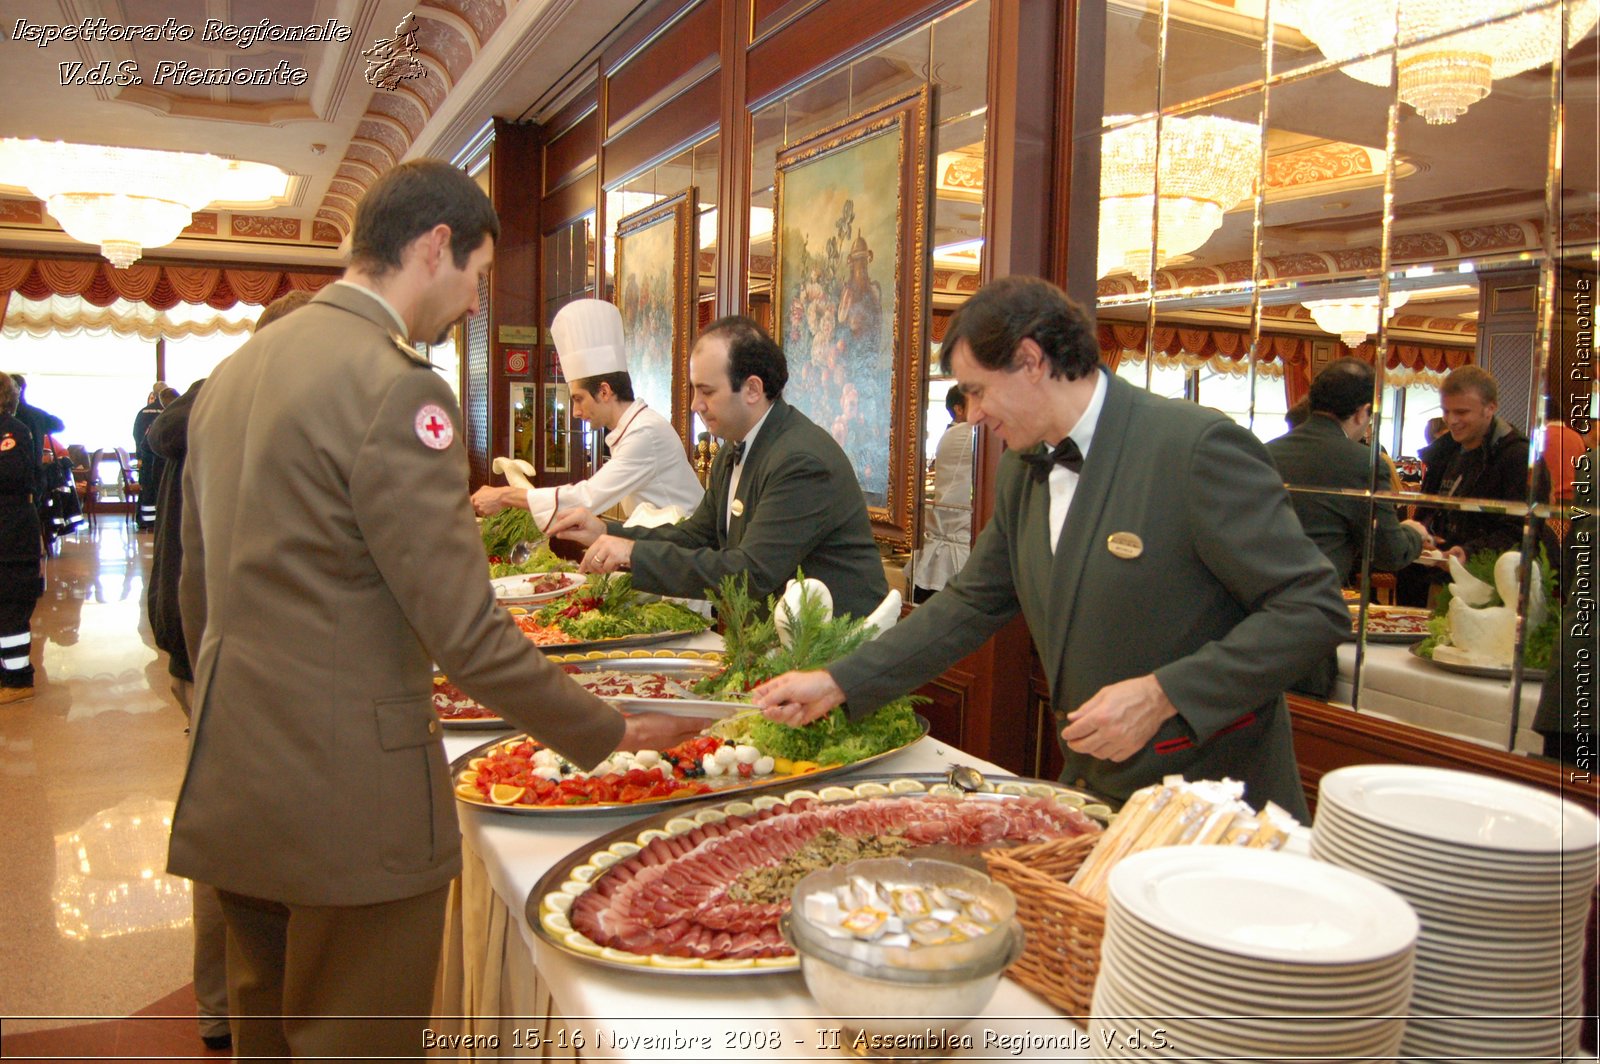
x: 648, y: 463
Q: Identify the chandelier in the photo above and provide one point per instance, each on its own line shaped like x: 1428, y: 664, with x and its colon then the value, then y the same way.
x: 129, y: 199
x: 1452, y: 71
x: 1208, y: 165
x: 1353, y: 319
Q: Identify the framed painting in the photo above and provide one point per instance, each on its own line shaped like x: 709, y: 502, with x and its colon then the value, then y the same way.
x: 850, y: 295
x: 656, y: 291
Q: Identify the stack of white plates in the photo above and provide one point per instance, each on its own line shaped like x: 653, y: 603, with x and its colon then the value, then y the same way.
x: 1220, y: 952
x: 1501, y: 876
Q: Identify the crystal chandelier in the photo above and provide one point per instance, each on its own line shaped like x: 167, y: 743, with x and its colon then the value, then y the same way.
x: 129, y: 199
x: 1208, y: 165
x: 1353, y: 319
x: 1451, y: 71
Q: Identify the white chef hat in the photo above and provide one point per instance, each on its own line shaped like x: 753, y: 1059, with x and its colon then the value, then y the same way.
x: 588, y: 336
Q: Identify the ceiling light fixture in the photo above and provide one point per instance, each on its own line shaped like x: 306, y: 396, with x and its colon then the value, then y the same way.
x: 1452, y: 71
x: 1353, y: 319
x: 1208, y: 165
x: 128, y: 199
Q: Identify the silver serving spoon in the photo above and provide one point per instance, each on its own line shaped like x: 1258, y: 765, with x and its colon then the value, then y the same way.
x: 521, y: 553
x: 966, y: 778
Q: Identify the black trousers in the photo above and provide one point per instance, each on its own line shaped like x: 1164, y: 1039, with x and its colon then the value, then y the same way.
x: 16, y: 641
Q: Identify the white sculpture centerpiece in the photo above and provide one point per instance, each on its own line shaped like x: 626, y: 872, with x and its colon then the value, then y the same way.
x: 1483, y: 617
x: 797, y: 592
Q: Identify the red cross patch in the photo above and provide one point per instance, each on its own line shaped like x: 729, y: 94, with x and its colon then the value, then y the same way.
x: 433, y: 426
x: 8, y: 443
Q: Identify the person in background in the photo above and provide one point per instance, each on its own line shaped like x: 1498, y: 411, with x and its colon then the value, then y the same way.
x: 1326, y: 452
x: 648, y: 463
x: 947, y: 532
x: 783, y: 496
x: 1562, y: 449
x: 21, y: 578
x: 149, y: 464
x: 1152, y: 549
x: 1483, y: 456
x: 1296, y: 415
x: 1432, y: 430
x: 330, y: 559
x: 168, y: 439
x: 41, y: 424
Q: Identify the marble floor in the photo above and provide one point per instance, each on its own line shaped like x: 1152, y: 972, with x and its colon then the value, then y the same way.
x: 91, y: 925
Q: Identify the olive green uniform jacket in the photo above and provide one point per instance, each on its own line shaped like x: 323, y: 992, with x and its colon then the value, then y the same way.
x: 1227, y: 601
x: 329, y: 555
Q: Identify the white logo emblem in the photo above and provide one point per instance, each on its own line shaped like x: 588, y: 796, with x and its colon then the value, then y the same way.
x: 433, y: 426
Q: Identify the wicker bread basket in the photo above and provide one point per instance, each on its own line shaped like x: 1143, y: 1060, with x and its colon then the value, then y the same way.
x: 1061, y: 960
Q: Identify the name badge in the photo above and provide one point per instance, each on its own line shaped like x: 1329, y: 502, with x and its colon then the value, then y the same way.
x: 1124, y: 545
x: 737, y: 509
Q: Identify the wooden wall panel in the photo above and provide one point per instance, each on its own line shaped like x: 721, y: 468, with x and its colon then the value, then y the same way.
x: 826, y: 34
x: 569, y: 154
x: 680, y: 122
x: 513, y: 166
x: 770, y: 15
x: 683, y: 53
x: 569, y: 202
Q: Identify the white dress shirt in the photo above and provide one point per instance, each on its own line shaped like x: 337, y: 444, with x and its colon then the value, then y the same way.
x: 647, y: 465
x: 738, y: 469
x: 1063, y: 481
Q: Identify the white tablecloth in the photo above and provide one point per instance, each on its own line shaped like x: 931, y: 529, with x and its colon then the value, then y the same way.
x: 1397, y: 685
x: 501, y: 982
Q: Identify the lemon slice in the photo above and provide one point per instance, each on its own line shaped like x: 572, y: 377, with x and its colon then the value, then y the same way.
x: 651, y: 835
x: 1040, y: 790
x: 944, y: 790
x: 585, y: 872
x: 558, y: 902
x: 765, y: 801
x: 836, y: 794
x: 795, y: 796
x: 476, y: 763
x: 505, y: 793
x: 557, y: 923
x: 730, y: 964
x: 604, y: 859
x: 574, y: 887
x: 871, y: 790
x: 661, y: 960
x: 468, y: 776
x: 1011, y: 787
x: 625, y: 849
x: 905, y: 786
x: 624, y: 957
x: 1077, y: 801
x: 577, y: 940
x: 469, y: 792
x: 777, y: 962
x: 1097, y: 810
x: 710, y: 816
x: 681, y: 825
x: 739, y: 808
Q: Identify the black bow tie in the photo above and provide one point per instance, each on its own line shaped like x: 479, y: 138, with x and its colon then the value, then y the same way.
x: 735, y: 453
x: 1065, y: 453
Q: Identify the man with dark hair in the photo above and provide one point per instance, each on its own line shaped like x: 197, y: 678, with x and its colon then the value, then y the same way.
x: 21, y: 579
x: 782, y: 495
x: 41, y: 426
x: 649, y: 465
x: 330, y: 558
x: 1149, y: 543
x: 1324, y: 452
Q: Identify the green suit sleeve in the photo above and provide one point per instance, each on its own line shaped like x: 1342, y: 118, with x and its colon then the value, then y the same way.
x: 977, y: 602
x: 1247, y: 535
x: 792, y: 517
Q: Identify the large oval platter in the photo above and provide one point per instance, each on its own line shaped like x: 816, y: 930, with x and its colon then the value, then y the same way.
x: 683, y: 666
x: 723, y: 787
x: 551, y: 902
x: 1487, y: 672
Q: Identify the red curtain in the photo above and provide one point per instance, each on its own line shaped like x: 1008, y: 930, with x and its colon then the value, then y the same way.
x: 159, y: 286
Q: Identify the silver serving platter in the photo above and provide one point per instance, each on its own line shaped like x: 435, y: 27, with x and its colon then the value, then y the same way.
x: 580, y: 867
x: 729, y: 787
x: 686, y: 667
x: 620, y: 642
x: 1491, y: 672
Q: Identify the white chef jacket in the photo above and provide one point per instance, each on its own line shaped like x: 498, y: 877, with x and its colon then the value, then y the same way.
x: 647, y: 465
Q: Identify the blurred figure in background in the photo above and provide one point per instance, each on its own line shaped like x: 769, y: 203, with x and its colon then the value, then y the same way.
x: 947, y: 537
x: 40, y: 424
x: 21, y: 579
x: 149, y: 464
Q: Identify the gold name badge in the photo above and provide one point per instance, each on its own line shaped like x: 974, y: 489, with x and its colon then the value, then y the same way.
x: 737, y: 508
x: 1124, y: 544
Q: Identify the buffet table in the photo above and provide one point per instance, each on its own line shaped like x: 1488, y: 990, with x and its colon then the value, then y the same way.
x: 505, y: 994
x: 1396, y: 685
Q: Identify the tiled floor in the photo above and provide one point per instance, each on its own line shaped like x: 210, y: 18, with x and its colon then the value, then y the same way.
x: 90, y: 926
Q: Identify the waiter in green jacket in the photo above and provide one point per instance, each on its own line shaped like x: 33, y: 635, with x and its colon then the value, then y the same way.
x: 1170, y: 591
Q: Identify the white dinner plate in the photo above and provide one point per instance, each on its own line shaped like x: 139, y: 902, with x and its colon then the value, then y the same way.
x: 1506, y: 865
x: 1254, y: 903
x: 1227, y: 1037
x: 1463, y: 808
x: 516, y: 588
x: 1442, y: 882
